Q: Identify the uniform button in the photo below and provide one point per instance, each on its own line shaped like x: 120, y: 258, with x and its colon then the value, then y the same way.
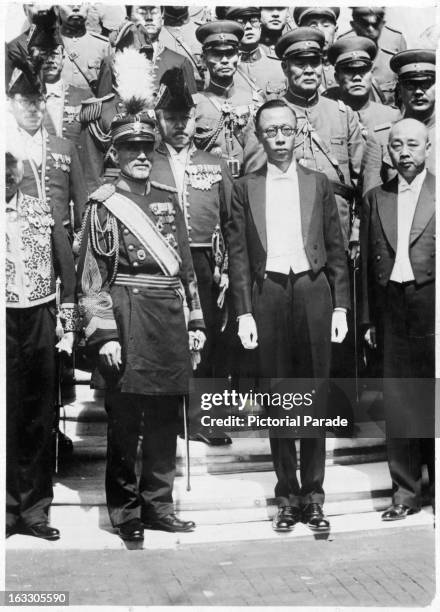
x: 429, y: 272
x: 47, y: 188
x: 188, y: 216
x: 120, y: 104
x: 46, y: 178
x: 189, y: 228
x: 48, y: 199
x: 64, y: 129
x: 130, y: 247
x: 173, y: 227
x: 432, y: 254
x: 379, y: 276
x: 190, y: 239
x: 315, y: 246
x: 135, y: 264
x: 136, y: 291
x: 378, y: 257
x: 141, y: 254
x: 126, y: 232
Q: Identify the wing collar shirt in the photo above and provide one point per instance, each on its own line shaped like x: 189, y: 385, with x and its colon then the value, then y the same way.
x: 179, y: 160
x: 407, y: 198
x: 55, y: 105
x: 33, y: 146
x: 285, y: 245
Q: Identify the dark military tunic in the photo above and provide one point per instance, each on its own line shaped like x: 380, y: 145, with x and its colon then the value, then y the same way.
x: 149, y: 323
x: 205, y: 203
x: 63, y: 104
x: 224, y: 120
x: 61, y: 180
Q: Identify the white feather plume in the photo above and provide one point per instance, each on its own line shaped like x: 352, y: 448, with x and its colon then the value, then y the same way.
x: 135, y: 80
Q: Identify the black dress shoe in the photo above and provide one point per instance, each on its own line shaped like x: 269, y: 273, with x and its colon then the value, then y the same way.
x: 170, y: 523
x: 286, y: 518
x: 211, y: 439
x: 41, y: 530
x: 131, y: 531
x: 314, y: 518
x: 10, y: 530
x: 397, y: 512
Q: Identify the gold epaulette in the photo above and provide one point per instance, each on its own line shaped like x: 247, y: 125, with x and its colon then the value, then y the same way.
x: 91, y: 108
x: 163, y: 187
x: 103, y: 193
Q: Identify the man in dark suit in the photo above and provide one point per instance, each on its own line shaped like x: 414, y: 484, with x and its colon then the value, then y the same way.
x: 289, y: 282
x: 398, y: 265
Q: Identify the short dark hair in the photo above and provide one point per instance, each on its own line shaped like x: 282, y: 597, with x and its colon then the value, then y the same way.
x: 276, y: 103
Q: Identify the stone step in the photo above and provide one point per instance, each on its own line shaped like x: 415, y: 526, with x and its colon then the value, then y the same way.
x: 367, y: 481
x: 244, y: 454
x: 88, y: 528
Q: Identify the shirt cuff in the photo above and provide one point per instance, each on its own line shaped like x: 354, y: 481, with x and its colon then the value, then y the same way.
x: 244, y: 316
x: 340, y: 309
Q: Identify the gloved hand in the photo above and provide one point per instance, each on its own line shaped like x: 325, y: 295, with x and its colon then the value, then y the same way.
x: 247, y: 331
x: 66, y: 343
x: 339, y: 326
x: 111, y: 354
x: 197, y: 340
x: 370, y: 337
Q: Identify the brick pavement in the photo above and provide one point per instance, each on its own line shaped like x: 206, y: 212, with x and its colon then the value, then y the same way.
x: 389, y: 568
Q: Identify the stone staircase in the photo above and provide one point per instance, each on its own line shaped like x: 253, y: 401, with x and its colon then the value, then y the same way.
x: 229, y: 482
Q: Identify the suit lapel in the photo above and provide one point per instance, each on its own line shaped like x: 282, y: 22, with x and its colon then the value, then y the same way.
x: 387, y: 209
x: 307, y: 193
x: 425, y: 208
x: 257, y: 203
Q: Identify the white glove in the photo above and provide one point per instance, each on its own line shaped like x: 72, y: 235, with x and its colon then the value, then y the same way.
x: 223, y: 286
x: 111, y: 352
x: 370, y: 337
x: 339, y: 326
x: 247, y: 331
x: 197, y: 340
x: 65, y: 345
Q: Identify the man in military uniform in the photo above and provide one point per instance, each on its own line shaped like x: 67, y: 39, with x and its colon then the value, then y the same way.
x: 328, y: 134
x: 135, y: 272
x: 142, y: 32
x: 353, y: 59
x: 179, y: 35
x: 369, y: 21
x: 85, y: 50
x: 63, y: 101
x: 36, y: 252
x: 324, y: 19
x: 256, y: 67
x: 203, y: 184
x: 225, y: 109
x: 415, y: 70
x: 274, y: 23
x: 52, y: 170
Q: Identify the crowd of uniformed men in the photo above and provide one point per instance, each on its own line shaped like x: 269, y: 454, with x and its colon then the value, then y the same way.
x: 152, y: 190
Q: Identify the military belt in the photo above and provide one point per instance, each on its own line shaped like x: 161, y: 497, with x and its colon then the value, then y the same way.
x: 149, y: 281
